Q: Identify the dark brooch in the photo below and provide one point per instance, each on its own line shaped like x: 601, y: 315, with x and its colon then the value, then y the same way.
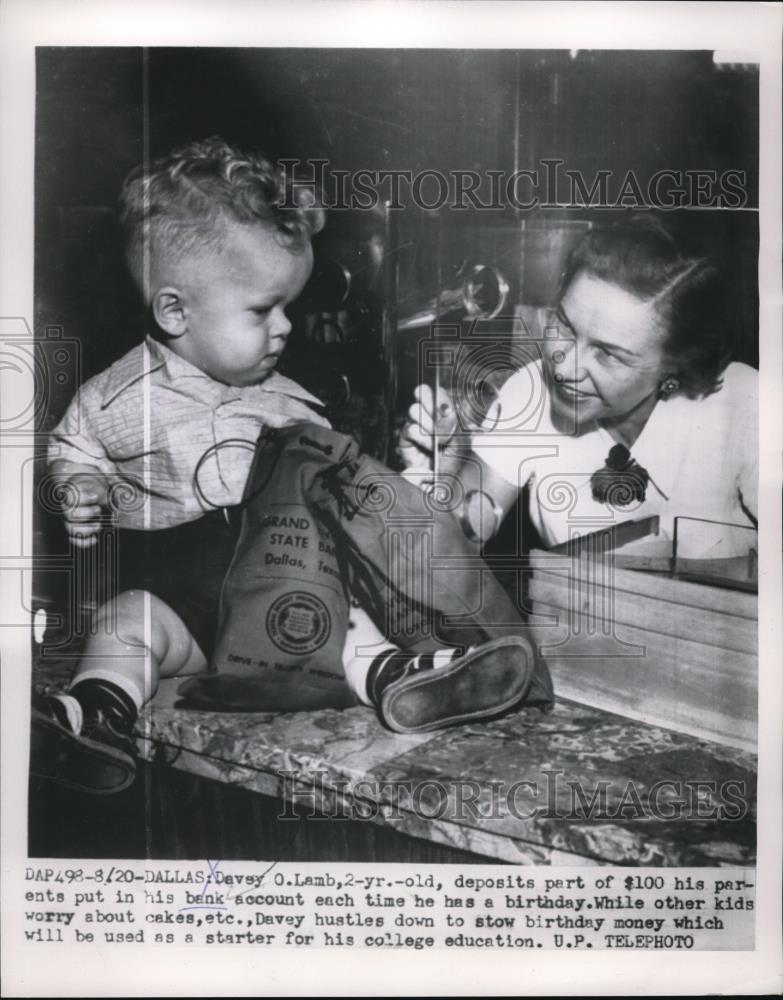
x: 621, y: 481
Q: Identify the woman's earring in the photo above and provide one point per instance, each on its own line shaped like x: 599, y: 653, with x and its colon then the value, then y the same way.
x: 668, y: 387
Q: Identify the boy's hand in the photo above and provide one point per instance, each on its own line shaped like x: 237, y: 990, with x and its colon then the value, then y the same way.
x: 82, y: 516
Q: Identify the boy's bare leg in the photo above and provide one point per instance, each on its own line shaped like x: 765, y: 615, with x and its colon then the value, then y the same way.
x: 83, y: 739
x: 137, y: 639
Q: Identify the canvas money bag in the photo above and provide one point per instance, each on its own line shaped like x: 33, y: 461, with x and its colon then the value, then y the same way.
x: 410, y: 565
x: 321, y: 521
x: 284, y: 607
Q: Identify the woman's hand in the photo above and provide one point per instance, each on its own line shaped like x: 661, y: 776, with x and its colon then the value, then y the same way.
x: 486, y: 495
x: 432, y: 423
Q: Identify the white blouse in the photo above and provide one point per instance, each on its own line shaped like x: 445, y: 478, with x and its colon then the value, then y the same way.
x: 701, y: 456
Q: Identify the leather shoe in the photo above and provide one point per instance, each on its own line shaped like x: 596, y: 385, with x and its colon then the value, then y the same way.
x: 77, y: 762
x: 486, y: 681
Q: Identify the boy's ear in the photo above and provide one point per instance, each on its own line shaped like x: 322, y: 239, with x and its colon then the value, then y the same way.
x: 169, y: 311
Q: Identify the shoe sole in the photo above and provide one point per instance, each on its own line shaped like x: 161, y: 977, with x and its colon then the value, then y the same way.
x: 486, y: 682
x: 75, y: 762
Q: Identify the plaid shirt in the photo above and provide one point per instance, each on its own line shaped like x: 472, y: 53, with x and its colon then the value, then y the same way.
x: 151, y: 417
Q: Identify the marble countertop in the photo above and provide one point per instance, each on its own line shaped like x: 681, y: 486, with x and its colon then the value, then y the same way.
x: 577, y: 786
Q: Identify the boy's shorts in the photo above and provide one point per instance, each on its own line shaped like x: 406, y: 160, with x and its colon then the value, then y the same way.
x: 183, y: 566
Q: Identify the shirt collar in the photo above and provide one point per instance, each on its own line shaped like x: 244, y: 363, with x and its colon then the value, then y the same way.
x: 151, y: 356
x: 136, y: 365
x: 287, y: 387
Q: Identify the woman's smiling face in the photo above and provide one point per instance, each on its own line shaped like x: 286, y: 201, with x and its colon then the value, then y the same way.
x: 608, y: 359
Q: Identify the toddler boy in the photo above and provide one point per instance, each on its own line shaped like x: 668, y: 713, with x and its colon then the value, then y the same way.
x: 219, y: 248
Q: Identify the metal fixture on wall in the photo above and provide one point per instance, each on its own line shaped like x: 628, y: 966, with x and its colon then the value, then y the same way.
x: 482, y: 295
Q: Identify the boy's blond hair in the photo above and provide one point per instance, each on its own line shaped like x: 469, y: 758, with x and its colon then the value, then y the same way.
x: 179, y: 205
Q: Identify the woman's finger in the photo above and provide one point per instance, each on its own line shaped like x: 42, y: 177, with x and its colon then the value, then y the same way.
x: 412, y: 455
x: 421, y: 411
x: 423, y: 396
x: 432, y: 413
x: 444, y: 414
x: 420, y: 420
x: 414, y: 448
x: 421, y: 436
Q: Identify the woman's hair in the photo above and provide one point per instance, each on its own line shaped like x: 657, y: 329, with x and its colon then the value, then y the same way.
x: 178, y: 204
x: 642, y: 257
